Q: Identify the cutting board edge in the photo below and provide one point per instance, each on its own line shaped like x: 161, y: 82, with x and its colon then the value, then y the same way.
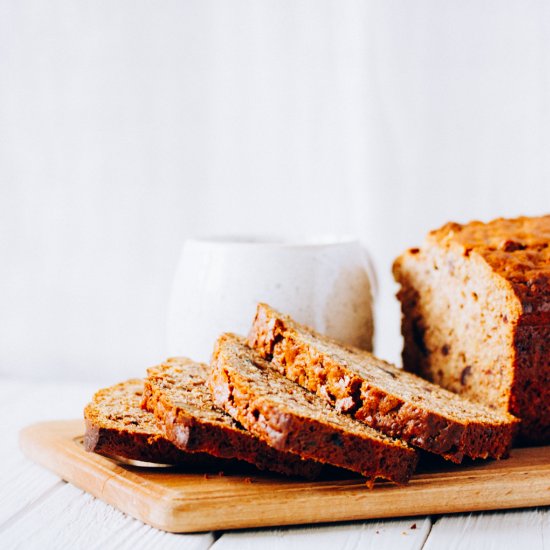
x: 166, y: 509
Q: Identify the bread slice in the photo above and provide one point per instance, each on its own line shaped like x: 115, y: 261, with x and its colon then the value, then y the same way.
x: 476, y: 315
x: 178, y: 395
x: 383, y: 396
x: 117, y: 426
x: 290, y: 418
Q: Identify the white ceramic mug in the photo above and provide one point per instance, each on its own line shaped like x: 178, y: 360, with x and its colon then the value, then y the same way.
x: 326, y: 284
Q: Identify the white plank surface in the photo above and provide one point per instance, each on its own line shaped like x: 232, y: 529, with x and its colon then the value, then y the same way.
x: 69, y: 518
x: 22, y: 403
x: 522, y: 530
x: 408, y: 534
x: 22, y: 483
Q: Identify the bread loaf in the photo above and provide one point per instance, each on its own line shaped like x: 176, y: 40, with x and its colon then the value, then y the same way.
x: 476, y: 315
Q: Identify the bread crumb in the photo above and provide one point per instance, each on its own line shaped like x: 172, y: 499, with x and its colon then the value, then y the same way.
x: 413, y: 526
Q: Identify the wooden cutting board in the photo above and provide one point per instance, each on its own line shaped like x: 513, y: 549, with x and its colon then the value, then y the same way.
x: 189, y: 502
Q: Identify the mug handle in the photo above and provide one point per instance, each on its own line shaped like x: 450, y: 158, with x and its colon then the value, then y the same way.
x: 371, y: 271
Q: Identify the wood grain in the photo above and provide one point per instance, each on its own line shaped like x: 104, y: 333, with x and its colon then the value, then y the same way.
x: 188, y: 502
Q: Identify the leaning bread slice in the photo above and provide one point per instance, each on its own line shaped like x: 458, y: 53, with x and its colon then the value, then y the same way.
x: 293, y: 419
x: 178, y: 395
x: 383, y: 396
x: 117, y: 426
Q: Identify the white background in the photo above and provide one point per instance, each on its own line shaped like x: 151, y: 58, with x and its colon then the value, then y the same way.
x: 127, y: 126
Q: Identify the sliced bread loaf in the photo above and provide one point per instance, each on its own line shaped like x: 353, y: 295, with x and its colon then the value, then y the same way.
x: 290, y: 418
x: 178, y: 395
x: 476, y: 315
x: 117, y: 426
x: 381, y: 395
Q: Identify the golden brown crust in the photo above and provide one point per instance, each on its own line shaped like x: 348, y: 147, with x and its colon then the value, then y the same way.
x: 293, y: 419
x: 381, y: 395
x: 176, y: 392
x: 517, y: 255
x: 516, y: 249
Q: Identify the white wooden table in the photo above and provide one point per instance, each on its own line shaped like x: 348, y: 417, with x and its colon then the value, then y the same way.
x: 38, y: 510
